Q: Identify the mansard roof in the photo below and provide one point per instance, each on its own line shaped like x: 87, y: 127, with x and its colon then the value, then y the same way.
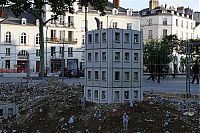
x: 11, y: 19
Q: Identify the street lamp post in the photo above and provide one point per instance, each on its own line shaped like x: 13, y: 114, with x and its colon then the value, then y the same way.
x: 63, y: 61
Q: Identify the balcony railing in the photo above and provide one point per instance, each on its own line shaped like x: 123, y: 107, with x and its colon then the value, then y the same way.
x: 60, y: 41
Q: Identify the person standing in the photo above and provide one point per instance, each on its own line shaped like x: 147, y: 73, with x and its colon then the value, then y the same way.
x: 125, y: 121
x: 195, y: 70
x: 152, y: 72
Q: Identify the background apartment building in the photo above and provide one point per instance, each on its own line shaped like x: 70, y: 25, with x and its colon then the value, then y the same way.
x: 114, y: 66
x: 19, y: 38
x: 159, y: 21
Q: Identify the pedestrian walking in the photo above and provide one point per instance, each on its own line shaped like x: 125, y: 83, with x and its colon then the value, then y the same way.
x: 152, y: 72
x: 195, y: 70
x: 159, y: 72
x: 125, y: 121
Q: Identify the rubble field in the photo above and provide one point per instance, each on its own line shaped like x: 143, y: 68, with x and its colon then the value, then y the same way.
x: 48, y: 106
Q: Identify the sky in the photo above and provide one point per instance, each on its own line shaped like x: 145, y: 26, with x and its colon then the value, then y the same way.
x: 137, y: 5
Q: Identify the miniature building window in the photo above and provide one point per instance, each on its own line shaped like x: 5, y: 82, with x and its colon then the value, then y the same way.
x: 89, y: 75
x: 117, y: 75
x: 103, y: 56
x: 7, y: 51
x: 89, y: 93
x: 103, y: 95
x: 96, y: 75
x: 37, y: 39
x: 135, y: 76
x: 191, y: 26
x: 182, y: 23
x: 126, y: 95
x: 1, y: 112
x: 96, y: 38
x: 116, y: 97
x: 37, y: 52
x: 127, y: 57
x: 70, y: 51
x: 126, y: 37
x: 129, y: 26
x: 89, y: 38
x: 126, y: 76
x: 103, y: 37
x: 103, y: 75
x: 136, y: 38
x: 23, y: 38
x: 164, y: 32
x: 117, y: 36
x: 7, y: 65
x: 150, y: 21
x: 117, y: 56
x: 114, y: 24
x: 8, y: 37
x: 176, y: 22
x: 136, y: 58
x: 96, y: 56
x: 135, y: 94
x: 96, y: 94
x: 89, y: 57
x: 10, y: 111
x: 150, y: 34
x: 164, y: 21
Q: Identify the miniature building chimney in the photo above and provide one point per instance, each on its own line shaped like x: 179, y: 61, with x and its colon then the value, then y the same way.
x: 116, y: 3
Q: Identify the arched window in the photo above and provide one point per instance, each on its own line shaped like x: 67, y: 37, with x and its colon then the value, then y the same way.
x: 23, y: 53
x: 37, y: 39
x: 23, y: 38
x: 8, y: 37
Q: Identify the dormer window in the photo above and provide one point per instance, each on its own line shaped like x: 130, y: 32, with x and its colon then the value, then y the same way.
x: 115, y: 11
x: 129, y: 13
x: 23, y: 21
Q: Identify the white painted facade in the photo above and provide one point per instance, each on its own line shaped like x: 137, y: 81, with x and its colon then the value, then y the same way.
x: 153, y: 26
x: 113, y: 71
x: 71, y: 28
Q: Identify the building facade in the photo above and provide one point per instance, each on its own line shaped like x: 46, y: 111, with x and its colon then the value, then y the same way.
x: 160, y: 21
x: 19, y: 37
x: 114, y: 66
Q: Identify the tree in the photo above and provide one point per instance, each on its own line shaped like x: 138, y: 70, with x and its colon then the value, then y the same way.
x: 158, y: 52
x: 58, y: 7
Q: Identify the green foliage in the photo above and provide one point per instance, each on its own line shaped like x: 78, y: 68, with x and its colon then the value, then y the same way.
x: 159, y: 52
x: 96, y: 4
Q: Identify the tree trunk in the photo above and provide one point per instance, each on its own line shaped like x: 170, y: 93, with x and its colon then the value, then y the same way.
x: 41, y: 25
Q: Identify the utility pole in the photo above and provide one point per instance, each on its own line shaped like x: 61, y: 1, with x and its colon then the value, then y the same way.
x: 46, y: 49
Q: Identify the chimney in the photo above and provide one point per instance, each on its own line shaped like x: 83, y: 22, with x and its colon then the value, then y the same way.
x: 116, y: 3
